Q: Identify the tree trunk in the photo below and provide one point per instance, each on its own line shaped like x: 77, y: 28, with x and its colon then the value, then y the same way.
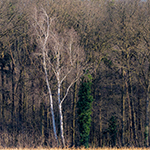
x: 50, y: 97
x: 45, y: 125
x: 20, y: 105
x: 135, y: 127
x: 108, y: 137
x: 33, y: 112
x: 42, y: 120
x: 130, y: 135
x: 74, y: 114
x: 139, y: 120
x: 132, y: 111
x: 3, y: 94
x: 100, y: 122
x: 13, y: 86
x: 123, y: 109
x: 147, y: 118
x: 20, y: 97
x: 61, y: 117
x: 43, y: 114
x: 12, y: 105
x: 24, y: 98
x: 61, y: 126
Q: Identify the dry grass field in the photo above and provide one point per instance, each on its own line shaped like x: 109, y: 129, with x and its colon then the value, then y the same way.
x: 75, y: 149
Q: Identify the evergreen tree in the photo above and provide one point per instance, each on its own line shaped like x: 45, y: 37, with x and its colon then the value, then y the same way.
x: 84, y: 109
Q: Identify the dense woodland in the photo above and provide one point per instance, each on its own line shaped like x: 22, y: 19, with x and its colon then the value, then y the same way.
x: 110, y: 39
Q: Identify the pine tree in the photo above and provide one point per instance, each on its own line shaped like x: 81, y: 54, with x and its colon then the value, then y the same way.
x: 84, y: 109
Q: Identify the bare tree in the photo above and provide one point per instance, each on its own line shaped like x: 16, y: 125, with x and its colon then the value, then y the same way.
x: 61, y: 54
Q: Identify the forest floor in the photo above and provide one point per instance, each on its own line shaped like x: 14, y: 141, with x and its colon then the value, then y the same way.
x: 74, y: 149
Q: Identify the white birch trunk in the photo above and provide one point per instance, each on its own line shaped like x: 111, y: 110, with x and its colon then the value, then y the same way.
x: 61, y: 117
x: 59, y: 100
x: 61, y: 125
x: 50, y: 97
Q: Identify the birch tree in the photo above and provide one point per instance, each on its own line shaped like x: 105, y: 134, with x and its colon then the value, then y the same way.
x: 62, y: 55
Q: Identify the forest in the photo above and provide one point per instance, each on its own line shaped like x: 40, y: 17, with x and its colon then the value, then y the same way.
x: 52, y: 51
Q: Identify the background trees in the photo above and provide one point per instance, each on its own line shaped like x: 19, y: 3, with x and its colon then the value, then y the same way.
x: 111, y: 37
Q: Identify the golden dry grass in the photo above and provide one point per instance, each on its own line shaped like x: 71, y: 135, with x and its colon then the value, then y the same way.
x: 75, y: 149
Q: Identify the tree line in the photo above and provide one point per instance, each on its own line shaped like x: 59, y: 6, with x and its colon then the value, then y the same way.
x: 47, y: 47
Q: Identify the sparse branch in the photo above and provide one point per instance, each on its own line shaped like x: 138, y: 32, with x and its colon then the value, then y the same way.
x: 69, y: 89
x: 75, y: 80
x: 70, y: 53
x: 48, y: 59
x: 41, y: 29
x: 65, y: 76
x: 37, y: 33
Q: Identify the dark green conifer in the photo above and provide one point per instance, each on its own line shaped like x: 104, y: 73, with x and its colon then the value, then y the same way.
x: 84, y: 109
